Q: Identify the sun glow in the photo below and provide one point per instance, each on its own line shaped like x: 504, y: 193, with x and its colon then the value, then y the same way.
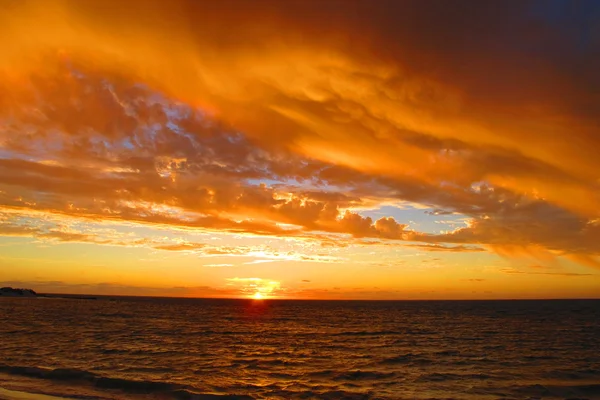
x: 258, y: 296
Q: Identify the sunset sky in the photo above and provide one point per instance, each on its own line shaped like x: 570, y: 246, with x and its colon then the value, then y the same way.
x: 332, y: 149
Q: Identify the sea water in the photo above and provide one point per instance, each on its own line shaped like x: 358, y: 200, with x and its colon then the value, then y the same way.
x: 118, y: 348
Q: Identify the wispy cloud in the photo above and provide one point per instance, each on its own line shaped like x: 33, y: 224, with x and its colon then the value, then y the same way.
x: 252, y: 286
x: 438, y: 247
x: 537, y: 272
x: 218, y: 265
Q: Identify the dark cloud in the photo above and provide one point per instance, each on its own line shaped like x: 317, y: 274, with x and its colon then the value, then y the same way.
x: 527, y: 225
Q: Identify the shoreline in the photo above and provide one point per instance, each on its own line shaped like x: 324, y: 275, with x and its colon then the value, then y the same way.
x: 7, y: 394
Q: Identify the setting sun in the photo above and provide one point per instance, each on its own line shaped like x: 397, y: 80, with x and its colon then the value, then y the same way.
x: 258, y: 296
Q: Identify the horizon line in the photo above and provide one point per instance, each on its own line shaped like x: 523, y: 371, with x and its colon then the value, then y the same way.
x: 89, y: 295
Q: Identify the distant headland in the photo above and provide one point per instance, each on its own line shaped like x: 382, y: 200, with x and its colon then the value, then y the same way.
x: 19, y: 292
x: 11, y: 292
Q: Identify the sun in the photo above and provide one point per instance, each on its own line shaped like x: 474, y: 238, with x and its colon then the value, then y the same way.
x: 257, y: 296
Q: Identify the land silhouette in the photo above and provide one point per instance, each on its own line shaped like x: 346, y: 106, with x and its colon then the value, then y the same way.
x: 16, y: 292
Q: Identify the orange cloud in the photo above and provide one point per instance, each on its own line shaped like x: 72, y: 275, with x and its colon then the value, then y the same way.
x: 438, y: 247
x: 252, y: 286
x: 334, y: 103
x: 290, y: 119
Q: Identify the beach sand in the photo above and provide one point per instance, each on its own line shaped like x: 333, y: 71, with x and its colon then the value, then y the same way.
x: 6, y: 394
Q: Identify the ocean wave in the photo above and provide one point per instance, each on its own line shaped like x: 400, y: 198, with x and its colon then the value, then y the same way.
x: 326, y: 373
x: 189, y: 395
x: 554, y: 390
x: 408, y: 358
x: 206, y: 349
x: 116, y: 315
x: 133, y: 386
x: 447, y: 353
x: 440, y: 377
x: 363, y: 375
x: 342, y: 394
x: 278, y: 362
x: 384, y: 332
x: 282, y: 375
x: 574, y: 374
x: 368, y: 333
x: 326, y: 394
x: 82, y: 377
x: 540, y: 357
x: 147, y: 370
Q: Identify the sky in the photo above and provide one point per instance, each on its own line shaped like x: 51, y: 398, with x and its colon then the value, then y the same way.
x: 335, y: 149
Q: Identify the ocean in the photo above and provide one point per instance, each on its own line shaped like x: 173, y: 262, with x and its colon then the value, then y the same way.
x: 161, y: 348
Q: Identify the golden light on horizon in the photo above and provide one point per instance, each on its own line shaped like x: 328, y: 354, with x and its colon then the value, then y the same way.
x: 258, y: 296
